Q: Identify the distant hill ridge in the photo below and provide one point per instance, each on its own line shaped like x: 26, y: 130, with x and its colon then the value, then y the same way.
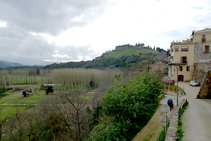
x: 118, y: 58
x: 4, y: 64
x: 128, y: 52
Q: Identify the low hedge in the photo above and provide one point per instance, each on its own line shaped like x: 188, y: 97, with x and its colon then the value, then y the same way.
x: 174, y: 89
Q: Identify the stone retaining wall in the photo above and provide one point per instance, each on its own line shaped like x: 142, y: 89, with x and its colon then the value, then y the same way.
x: 204, y: 92
x: 200, y: 70
x: 172, y: 130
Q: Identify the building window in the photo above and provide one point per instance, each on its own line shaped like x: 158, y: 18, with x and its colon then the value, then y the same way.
x: 206, y: 49
x: 188, y: 68
x: 176, y: 49
x: 180, y: 68
x: 184, y: 48
x: 183, y: 60
x: 203, y: 38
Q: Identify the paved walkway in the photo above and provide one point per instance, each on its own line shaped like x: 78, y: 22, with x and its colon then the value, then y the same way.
x: 173, y: 97
x: 197, y: 117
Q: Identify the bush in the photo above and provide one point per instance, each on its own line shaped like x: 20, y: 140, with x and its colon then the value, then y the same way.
x: 162, y: 135
x: 128, y: 103
x: 2, y: 91
x: 179, y: 127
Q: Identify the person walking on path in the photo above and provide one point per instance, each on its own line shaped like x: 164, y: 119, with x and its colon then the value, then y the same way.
x: 170, y: 103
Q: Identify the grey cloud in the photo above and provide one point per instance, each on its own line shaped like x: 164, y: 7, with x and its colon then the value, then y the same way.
x: 50, y: 16
x: 74, y: 52
x: 44, y: 16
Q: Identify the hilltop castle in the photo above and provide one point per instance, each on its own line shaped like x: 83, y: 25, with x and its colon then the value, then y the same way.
x: 128, y: 46
x: 137, y: 46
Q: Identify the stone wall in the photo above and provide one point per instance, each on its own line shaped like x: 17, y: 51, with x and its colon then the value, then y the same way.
x: 172, y: 130
x: 137, y: 46
x: 199, y: 52
x: 205, y: 90
x: 200, y: 70
x: 123, y: 46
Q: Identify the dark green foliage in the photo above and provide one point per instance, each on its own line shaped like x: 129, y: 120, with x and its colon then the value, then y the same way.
x: 160, y: 49
x: 162, y: 134
x: 2, y: 91
x: 179, y: 127
x: 24, y: 93
x: 92, y: 85
x: 96, y: 114
x: 49, y: 89
x: 131, y: 105
x: 104, y: 62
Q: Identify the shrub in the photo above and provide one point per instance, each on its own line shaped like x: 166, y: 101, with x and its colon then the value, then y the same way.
x: 179, y: 128
x: 128, y: 103
x: 162, y: 134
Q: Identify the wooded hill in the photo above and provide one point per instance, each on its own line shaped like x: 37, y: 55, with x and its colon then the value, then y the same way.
x: 124, y: 58
x: 4, y: 64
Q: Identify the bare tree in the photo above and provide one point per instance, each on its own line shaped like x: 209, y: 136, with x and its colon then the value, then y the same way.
x: 4, y: 78
x: 76, y: 104
x: 1, y: 122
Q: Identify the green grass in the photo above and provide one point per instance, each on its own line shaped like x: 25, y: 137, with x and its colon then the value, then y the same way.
x: 119, y: 53
x: 10, y: 111
x: 17, y: 98
x: 23, y: 80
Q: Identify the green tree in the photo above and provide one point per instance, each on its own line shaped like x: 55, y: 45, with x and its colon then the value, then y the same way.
x: 131, y: 105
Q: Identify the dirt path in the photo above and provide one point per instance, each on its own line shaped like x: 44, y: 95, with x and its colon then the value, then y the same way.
x: 196, y: 118
x: 152, y: 130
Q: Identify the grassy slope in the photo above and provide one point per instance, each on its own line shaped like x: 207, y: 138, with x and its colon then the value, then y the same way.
x: 10, y: 111
x: 12, y: 98
x: 16, y: 98
x: 123, y: 52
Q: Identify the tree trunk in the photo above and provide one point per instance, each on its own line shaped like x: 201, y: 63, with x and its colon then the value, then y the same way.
x: 79, y: 129
x: 0, y: 129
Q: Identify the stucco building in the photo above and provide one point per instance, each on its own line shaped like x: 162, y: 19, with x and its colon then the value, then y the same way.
x: 192, y: 55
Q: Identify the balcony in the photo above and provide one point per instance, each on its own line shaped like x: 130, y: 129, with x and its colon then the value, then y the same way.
x: 203, y: 40
x: 174, y: 64
x: 183, y: 63
x: 183, y: 60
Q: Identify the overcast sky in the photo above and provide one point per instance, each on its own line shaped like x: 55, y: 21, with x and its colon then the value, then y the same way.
x: 39, y: 32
